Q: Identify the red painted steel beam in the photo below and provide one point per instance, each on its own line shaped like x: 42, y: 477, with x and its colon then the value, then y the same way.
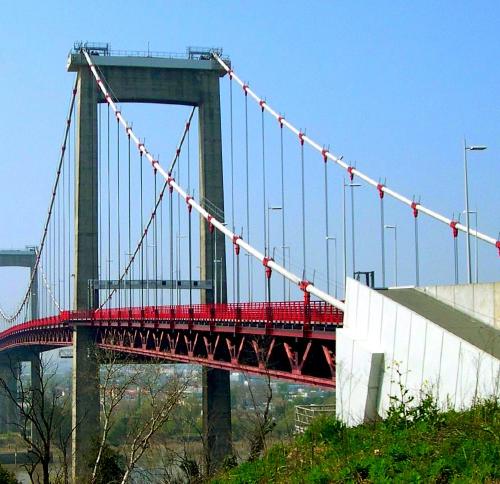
x: 224, y: 365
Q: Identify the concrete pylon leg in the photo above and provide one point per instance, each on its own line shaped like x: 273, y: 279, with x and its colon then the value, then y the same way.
x: 85, y: 383
x: 216, y: 416
x: 9, y: 415
x: 36, y: 390
x: 216, y: 384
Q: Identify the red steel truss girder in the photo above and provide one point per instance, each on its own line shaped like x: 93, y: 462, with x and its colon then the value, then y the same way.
x: 298, y: 360
x: 287, y: 340
x: 50, y: 337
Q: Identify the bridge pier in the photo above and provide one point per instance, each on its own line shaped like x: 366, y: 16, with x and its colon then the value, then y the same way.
x: 9, y: 415
x: 216, y: 416
x: 85, y: 378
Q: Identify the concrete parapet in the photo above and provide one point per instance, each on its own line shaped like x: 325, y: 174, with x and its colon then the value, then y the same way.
x: 481, y: 301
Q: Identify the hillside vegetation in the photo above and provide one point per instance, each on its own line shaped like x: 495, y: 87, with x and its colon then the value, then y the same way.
x: 414, y: 444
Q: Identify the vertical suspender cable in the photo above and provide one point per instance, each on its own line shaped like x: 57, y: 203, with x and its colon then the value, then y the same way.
x: 178, y: 242
x: 69, y: 218
x: 232, y: 170
x: 189, y: 216
x: 344, y: 237
x: 417, y: 269
x: 52, y: 280
x: 190, y: 261
x: 267, y: 281
x: 99, y: 196
x: 155, y: 236
x: 161, y: 249
x: 130, y: 302
x: 326, y: 231
x: 118, y: 209
x: 303, y: 209
x: 249, y: 261
x: 282, y: 207
x: 171, y: 225
x: 44, y: 289
x: 109, y: 205
x: 455, y: 252
x: 59, y: 210
x: 352, y: 231
x: 142, y: 225
x: 382, y: 238
x: 63, y: 242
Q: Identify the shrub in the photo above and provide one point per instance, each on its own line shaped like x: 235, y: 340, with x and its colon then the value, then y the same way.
x: 7, y: 477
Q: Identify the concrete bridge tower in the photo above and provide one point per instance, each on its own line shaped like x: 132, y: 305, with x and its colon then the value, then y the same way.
x: 192, y: 81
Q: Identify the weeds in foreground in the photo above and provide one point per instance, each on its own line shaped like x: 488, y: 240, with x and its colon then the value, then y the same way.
x: 415, y: 443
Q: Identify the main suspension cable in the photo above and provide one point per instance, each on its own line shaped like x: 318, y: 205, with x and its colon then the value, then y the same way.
x: 352, y: 171
x: 17, y: 312
x: 268, y: 263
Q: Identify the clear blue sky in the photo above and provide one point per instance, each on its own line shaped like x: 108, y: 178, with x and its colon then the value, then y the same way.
x: 393, y: 86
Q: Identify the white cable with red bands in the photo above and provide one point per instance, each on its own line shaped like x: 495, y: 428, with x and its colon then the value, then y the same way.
x: 10, y: 319
x: 154, y: 212
x: 417, y: 207
x: 306, y: 286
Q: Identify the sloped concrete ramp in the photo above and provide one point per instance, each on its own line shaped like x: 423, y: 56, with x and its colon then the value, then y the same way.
x: 404, y: 337
x: 466, y: 327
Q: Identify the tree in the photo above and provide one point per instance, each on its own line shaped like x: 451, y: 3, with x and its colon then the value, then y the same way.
x: 159, y: 395
x: 42, y: 407
x: 261, y: 418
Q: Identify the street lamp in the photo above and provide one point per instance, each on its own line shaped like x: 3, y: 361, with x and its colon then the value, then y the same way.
x: 328, y: 238
x: 468, y: 148
x: 352, y: 185
x: 474, y: 212
x: 395, y: 228
x: 284, y: 248
x: 178, y: 266
x: 269, y: 208
x: 217, y: 261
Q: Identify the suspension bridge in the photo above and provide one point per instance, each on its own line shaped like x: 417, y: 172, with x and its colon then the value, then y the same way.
x: 125, y: 234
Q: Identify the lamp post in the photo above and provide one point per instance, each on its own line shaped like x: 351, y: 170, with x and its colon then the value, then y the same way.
x: 178, y: 266
x: 268, y: 283
x: 467, y: 212
x: 217, y: 261
x: 328, y: 238
x: 352, y: 185
x: 476, y: 258
x: 284, y: 248
x: 395, y: 228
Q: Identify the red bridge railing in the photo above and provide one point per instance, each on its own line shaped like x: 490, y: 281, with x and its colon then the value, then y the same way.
x: 296, y: 312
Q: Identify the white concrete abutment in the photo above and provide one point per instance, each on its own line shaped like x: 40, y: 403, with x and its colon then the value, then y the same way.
x: 435, y: 346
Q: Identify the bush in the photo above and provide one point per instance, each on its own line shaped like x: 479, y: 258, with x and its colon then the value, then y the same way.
x: 426, y: 446
x: 7, y: 477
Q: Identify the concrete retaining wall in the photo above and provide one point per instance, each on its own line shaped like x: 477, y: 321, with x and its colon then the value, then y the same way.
x: 380, y: 337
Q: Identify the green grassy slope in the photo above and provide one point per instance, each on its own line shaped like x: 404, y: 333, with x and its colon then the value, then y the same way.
x: 412, y: 445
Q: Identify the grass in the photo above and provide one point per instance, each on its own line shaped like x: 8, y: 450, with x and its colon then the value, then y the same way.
x: 420, y: 445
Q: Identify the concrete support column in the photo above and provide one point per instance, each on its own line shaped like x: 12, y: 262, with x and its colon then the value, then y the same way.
x: 216, y: 383
x: 9, y: 416
x: 211, y: 186
x: 85, y: 409
x: 216, y: 416
x: 36, y: 390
